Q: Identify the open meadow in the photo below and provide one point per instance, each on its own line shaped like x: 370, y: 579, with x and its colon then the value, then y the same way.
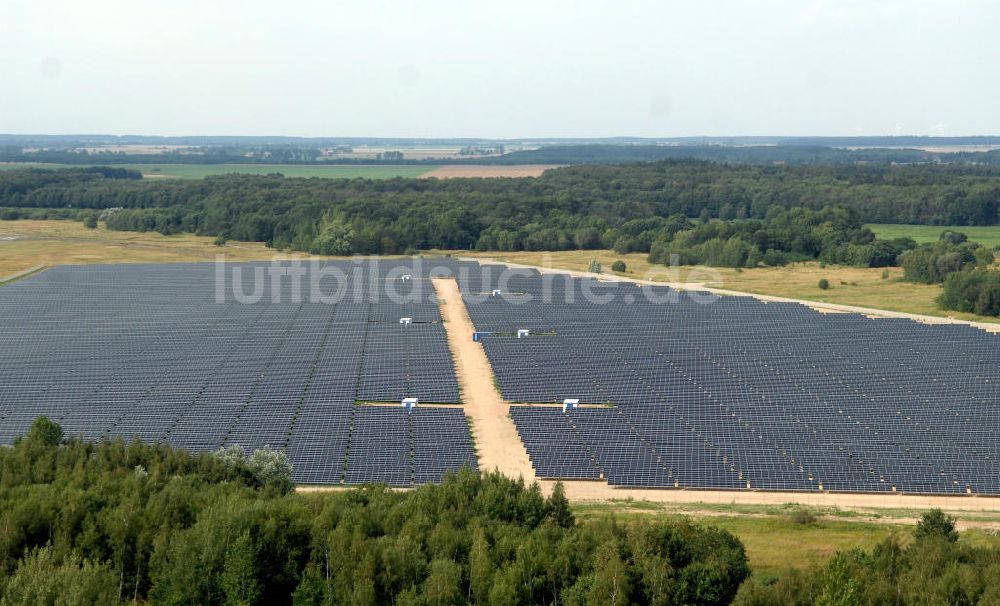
x: 782, y: 537
x: 988, y: 235
x: 26, y: 244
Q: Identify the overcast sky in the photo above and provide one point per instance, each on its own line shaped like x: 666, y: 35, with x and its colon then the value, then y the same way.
x: 510, y: 68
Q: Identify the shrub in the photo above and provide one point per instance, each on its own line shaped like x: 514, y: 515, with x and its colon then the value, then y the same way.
x: 90, y: 221
x: 824, y: 284
x: 975, y: 291
x: 45, y: 432
x: 618, y: 266
x: 802, y: 517
x: 936, y: 524
x: 594, y: 267
x: 220, y: 241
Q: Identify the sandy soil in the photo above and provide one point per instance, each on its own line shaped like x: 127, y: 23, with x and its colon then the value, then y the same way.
x: 468, y: 170
x: 497, y: 444
x: 596, y: 491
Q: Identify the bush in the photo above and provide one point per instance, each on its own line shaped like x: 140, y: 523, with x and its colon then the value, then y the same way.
x: 973, y: 291
x: 935, y: 524
x: 45, y: 432
x: 90, y: 221
x: 618, y: 266
x: 220, y: 241
x: 802, y: 517
x: 594, y: 267
x: 824, y: 284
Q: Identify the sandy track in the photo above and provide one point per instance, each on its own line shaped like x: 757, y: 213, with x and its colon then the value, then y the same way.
x: 457, y: 171
x: 497, y: 444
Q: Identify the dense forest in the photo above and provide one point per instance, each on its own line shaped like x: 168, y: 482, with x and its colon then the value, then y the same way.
x: 115, y: 522
x: 108, y: 523
x: 622, y: 207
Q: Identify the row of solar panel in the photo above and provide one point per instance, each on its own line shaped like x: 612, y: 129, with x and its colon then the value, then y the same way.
x: 739, y: 391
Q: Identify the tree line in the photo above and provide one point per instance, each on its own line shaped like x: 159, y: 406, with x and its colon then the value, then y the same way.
x: 800, y: 152
x: 964, y: 268
x: 561, y: 210
x: 115, y: 522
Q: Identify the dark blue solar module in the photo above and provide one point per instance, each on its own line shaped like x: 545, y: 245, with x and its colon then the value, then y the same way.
x: 734, y: 392
x: 169, y: 353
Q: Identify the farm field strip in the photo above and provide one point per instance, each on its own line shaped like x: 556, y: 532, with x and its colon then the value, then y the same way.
x: 988, y: 235
x: 198, y: 171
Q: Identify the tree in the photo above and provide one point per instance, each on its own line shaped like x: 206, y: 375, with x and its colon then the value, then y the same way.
x: 272, y: 468
x: 336, y: 238
x: 823, y: 284
x: 936, y: 524
x: 443, y: 584
x: 618, y: 266
x: 45, y: 432
x: 42, y: 578
x: 90, y: 221
x: 239, y: 575
x: 594, y: 267
x: 559, y: 511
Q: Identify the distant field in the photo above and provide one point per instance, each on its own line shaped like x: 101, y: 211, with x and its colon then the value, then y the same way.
x: 456, y: 171
x: 331, y: 171
x: 988, y: 236
x: 197, y: 171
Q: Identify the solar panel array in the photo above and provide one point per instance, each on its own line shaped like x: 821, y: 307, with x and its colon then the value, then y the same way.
x: 735, y: 392
x: 148, y: 352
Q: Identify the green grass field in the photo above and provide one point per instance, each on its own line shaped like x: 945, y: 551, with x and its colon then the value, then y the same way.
x: 775, y: 542
x: 988, y: 236
x: 197, y: 171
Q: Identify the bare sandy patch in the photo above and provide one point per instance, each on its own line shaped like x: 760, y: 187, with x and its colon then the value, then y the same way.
x: 462, y: 171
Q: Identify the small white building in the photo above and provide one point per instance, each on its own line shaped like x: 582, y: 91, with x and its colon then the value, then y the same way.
x: 495, y: 292
x: 406, y: 277
x: 409, y: 403
x: 570, y: 403
x: 523, y: 332
x: 406, y: 321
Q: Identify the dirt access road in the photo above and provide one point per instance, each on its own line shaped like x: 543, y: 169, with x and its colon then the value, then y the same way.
x: 497, y: 444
